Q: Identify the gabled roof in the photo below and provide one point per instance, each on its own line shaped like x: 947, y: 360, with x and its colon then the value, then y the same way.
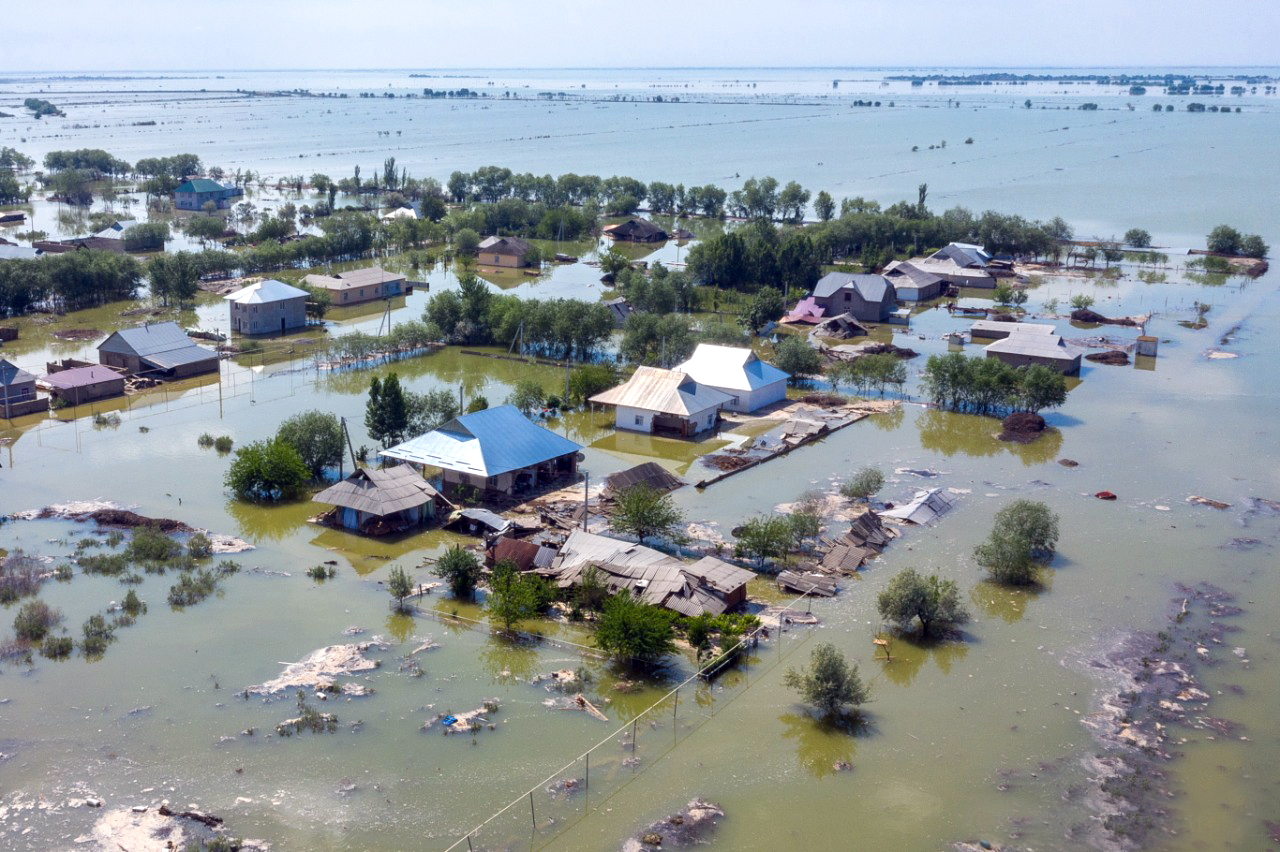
x: 731, y: 367
x: 871, y: 288
x: 925, y: 507
x: 635, y: 229
x: 114, y: 231
x: 379, y: 492
x: 906, y: 271
x: 1038, y: 345
x: 12, y: 374
x: 650, y: 473
x: 200, y: 185
x: 718, y: 574
x: 504, y: 245
x: 485, y: 443
x: 964, y: 255
x: 400, y: 213
x: 150, y: 339
x: 264, y: 292
x: 78, y: 377
x: 664, y: 392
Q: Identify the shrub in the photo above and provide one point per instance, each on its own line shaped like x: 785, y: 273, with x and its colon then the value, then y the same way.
x: 862, y: 484
x: 268, y: 471
x: 97, y: 635
x: 57, y: 647
x: 634, y: 631
x: 200, y: 547
x: 1024, y: 532
x: 34, y: 621
x: 932, y: 600
x: 829, y: 683
x: 222, y: 443
x: 19, y: 576
x: 205, y: 441
x: 460, y: 569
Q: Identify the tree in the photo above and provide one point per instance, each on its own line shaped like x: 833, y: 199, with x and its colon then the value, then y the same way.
x: 317, y: 436
x: 429, y: 410
x: 588, y: 380
x: 173, y: 276
x: 765, y: 307
x: 805, y: 520
x: 514, y: 596
x: 528, y: 395
x: 863, y: 484
x: 643, y: 511
x: 634, y: 631
x: 1137, y: 238
x: 1224, y: 239
x: 460, y: 569
x: 824, y: 206
x: 793, y: 355
x: 763, y: 537
x: 34, y: 621
x: 932, y: 600
x: 466, y: 241
x: 205, y: 228
x: 1003, y: 294
x: 386, y: 414
x: 1082, y: 301
x: 268, y: 471
x: 829, y: 683
x: 1041, y: 387
x: 1023, y: 533
x: 399, y: 585
x: 1252, y: 245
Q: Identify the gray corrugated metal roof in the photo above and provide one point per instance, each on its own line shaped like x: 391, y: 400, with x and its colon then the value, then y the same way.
x: 872, y: 288
x: 180, y: 357
x: 962, y: 254
x: 925, y: 507
x: 12, y: 374
x: 379, y: 492
x: 266, y: 291
x: 730, y: 367
x: 485, y: 443
x: 1043, y: 345
x: 504, y: 245
x: 718, y: 574
x: 665, y: 392
x: 148, y: 339
x: 905, y: 269
x: 370, y: 275
x: 649, y: 473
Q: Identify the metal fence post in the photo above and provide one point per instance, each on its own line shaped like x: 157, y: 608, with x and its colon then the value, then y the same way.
x: 533, y: 817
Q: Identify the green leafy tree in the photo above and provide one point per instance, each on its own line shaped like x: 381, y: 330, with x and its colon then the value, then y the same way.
x: 514, y: 596
x: 205, y: 228
x: 766, y: 306
x: 657, y: 341
x: 173, y: 277
x: 1082, y: 301
x: 1224, y: 239
x: 1252, y: 245
x: 1137, y: 238
x: 386, y: 413
x: 460, y: 569
x: 466, y: 241
x: 1041, y: 387
x: 643, y: 511
x: 528, y: 395
x: 634, y: 631
x: 268, y: 471
x: 34, y: 621
x: 430, y: 410
x: 478, y: 403
x: 863, y: 484
x: 829, y: 683
x: 1023, y: 533
x: 797, y: 357
x: 763, y: 537
x: 399, y: 586
x: 317, y: 436
x: 824, y: 206
x: 588, y: 380
x: 911, y: 596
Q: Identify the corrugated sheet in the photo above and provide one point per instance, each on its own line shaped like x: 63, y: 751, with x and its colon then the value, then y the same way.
x: 365, y: 277
x: 504, y: 245
x: 924, y: 508
x: 907, y: 270
x: 148, y: 339
x: 485, y: 443
x: 1029, y: 343
x: 719, y: 575
x: 79, y: 377
x: 265, y: 292
x: 650, y: 473
x: 379, y: 492
x: 190, y: 354
x: 871, y: 288
x: 12, y: 374
x: 664, y: 392
x: 730, y: 367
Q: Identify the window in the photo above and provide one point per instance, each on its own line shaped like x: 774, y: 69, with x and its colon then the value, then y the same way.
x: 639, y: 419
x: 847, y: 295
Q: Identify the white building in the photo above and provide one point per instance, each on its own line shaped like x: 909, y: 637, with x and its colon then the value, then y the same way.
x: 664, y: 402
x: 267, y: 307
x: 738, y: 373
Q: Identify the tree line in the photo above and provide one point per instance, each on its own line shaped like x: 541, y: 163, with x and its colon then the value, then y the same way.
x: 69, y: 281
x: 990, y: 386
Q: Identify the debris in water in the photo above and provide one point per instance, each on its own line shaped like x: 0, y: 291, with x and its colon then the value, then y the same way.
x: 1105, y: 495
x: 317, y: 670
x: 689, y: 827
x: 1205, y: 501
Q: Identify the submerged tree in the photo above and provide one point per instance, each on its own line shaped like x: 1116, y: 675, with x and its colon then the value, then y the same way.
x: 514, y: 596
x: 911, y: 596
x: 829, y: 683
x: 268, y: 471
x: 460, y: 569
x: 634, y: 631
x: 386, y: 414
x: 1024, y: 533
x: 399, y: 585
x: 317, y: 436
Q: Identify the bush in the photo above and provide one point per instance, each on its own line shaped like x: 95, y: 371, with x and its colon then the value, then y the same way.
x: 268, y: 471
x: 829, y: 683
x: 763, y: 537
x: 317, y: 437
x: 200, y: 547
x: 643, y: 511
x: 1024, y: 532
x: 205, y: 441
x: 460, y: 569
x: 34, y: 621
x: 57, y: 647
x: 862, y: 484
x: 399, y: 585
x: 19, y: 576
x: 222, y: 444
x: 97, y: 635
x: 795, y: 356
x: 634, y: 631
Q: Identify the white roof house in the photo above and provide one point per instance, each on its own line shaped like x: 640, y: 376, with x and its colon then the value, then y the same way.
x: 266, y: 291
x: 267, y: 306
x: 1025, y: 348
x: 664, y: 401
x: 749, y: 382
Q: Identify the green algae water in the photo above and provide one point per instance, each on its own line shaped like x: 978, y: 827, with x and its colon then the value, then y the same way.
x: 981, y: 739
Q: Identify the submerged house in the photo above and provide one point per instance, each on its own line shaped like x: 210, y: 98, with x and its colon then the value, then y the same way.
x: 267, y: 307
x: 18, y: 392
x: 509, y: 252
x: 1023, y: 348
x: 195, y: 193
x: 961, y: 264
x: 157, y: 348
x: 635, y: 231
x: 359, y: 285
x: 912, y: 283
x: 750, y: 383
x: 870, y: 298
x: 79, y: 385
x: 377, y: 502
x: 708, y: 585
x: 664, y: 402
x: 494, y: 451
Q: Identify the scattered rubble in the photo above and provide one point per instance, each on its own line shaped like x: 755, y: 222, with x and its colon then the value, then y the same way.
x: 316, y: 671
x: 1111, y: 357
x: 1205, y: 501
x: 469, y: 722
x: 692, y: 826
x: 145, y: 829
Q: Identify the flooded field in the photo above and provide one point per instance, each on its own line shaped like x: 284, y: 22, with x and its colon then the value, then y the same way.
x: 993, y: 737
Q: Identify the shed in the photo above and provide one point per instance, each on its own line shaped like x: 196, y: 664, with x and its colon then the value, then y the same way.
x: 651, y: 474
x: 925, y: 508
x: 510, y: 252
x: 912, y: 283
x: 842, y: 327
x: 870, y: 298
x: 359, y: 285
x: 497, y: 450
x: 998, y: 330
x: 635, y: 231
x: 18, y: 392
x: 1023, y: 349
x: 664, y: 402
x: 739, y: 373
x: 79, y: 385
x: 161, y: 347
x: 377, y: 502
x: 267, y: 307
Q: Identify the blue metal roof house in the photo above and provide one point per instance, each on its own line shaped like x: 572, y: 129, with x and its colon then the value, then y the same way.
x: 192, y: 194
x: 495, y: 451
x: 160, y: 348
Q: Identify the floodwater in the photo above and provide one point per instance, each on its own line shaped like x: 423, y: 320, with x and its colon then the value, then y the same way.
x: 976, y: 739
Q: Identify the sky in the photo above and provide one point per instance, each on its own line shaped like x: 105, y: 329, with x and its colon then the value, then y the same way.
x: 68, y: 35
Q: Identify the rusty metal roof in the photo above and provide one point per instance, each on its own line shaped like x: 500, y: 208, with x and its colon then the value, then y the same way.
x: 379, y: 492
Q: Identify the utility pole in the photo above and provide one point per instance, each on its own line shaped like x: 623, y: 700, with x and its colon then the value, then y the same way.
x: 586, y: 488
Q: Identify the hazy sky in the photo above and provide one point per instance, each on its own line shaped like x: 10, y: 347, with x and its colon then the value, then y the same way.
x: 173, y: 34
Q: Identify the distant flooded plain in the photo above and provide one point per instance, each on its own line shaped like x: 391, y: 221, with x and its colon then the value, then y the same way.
x: 979, y: 739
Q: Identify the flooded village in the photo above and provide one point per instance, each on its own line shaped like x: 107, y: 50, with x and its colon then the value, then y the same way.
x: 477, y: 507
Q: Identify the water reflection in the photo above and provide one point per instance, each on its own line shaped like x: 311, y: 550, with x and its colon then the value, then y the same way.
x: 507, y: 660
x: 888, y: 421
x: 400, y: 626
x: 1009, y: 603
x: 949, y: 433
x: 909, y: 654
x: 821, y: 745
x: 257, y: 522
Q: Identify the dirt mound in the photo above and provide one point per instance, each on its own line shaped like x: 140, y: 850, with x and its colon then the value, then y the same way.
x: 826, y: 400
x: 726, y: 462
x: 888, y: 349
x: 1022, y: 427
x: 1086, y: 315
x: 1114, y: 357
x: 77, y: 334
x: 125, y: 518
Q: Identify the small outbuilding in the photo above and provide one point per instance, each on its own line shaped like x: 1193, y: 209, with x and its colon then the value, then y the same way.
x: 1024, y: 348
x: 18, y: 392
x: 636, y: 231
x: 870, y: 298
x: 268, y: 307
x: 911, y: 283
x: 79, y: 385
x: 664, y: 402
x: 509, y: 252
x: 497, y: 451
x: 378, y: 502
x: 750, y: 383
x: 157, y: 349
x: 359, y: 285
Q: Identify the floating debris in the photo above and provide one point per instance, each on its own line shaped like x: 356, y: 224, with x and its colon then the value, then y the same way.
x: 317, y: 671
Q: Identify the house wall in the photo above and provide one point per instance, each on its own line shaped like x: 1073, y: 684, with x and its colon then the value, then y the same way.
x: 18, y: 392
x: 19, y: 399
x: 197, y: 368
x: 132, y: 363
x: 1068, y: 367
x: 88, y: 393
x: 510, y: 261
x: 748, y: 401
x: 912, y: 293
x: 265, y: 319
x: 633, y: 419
